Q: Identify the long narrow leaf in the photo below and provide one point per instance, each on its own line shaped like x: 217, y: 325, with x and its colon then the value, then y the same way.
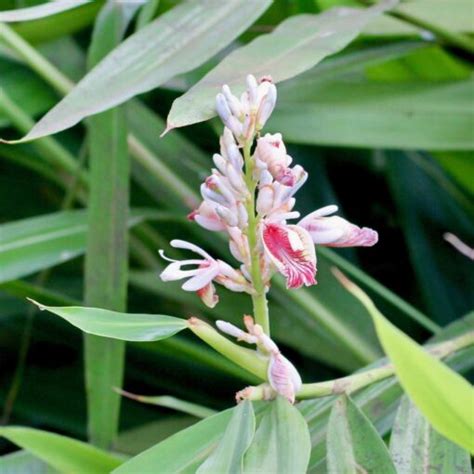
x: 64, y: 454
x: 440, y: 393
x: 40, y: 11
x: 151, y: 56
x: 353, y: 444
x: 298, y: 44
x: 124, y: 326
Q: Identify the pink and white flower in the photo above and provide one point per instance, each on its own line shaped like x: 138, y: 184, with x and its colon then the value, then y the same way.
x: 200, y: 279
x: 291, y: 250
x: 283, y: 378
x: 334, y: 231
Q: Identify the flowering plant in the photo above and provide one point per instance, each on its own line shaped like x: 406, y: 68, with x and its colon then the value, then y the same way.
x: 250, y: 196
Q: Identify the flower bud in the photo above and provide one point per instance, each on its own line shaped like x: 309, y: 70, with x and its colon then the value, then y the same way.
x: 265, y: 199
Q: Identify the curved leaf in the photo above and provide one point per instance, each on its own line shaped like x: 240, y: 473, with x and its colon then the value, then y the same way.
x: 128, y: 327
x: 21, y: 462
x: 282, y: 443
x: 62, y: 453
x: 440, y: 394
x: 416, y: 447
x: 40, y: 11
x: 229, y: 453
x: 151, y: 56
x: 353, y: 444
x: 298, y: 44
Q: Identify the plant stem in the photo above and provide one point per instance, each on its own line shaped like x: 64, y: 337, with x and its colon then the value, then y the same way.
x: 259, y: 299
x: 357, y: 381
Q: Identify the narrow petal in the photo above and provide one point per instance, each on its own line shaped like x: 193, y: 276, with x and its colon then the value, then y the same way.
x: 283, y: 377
x: 202, y: 278
x: 182, y: 244
x: 291, y: 249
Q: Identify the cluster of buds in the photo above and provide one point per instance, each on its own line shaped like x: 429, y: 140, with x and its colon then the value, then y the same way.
x: 282, y: 376
x: 250, y: 197
x: 272, y: 184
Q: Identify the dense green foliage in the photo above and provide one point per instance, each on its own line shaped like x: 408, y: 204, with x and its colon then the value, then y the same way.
x: 376, y: 103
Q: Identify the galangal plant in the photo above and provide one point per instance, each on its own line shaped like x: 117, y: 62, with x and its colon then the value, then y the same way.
x: 408, y: 412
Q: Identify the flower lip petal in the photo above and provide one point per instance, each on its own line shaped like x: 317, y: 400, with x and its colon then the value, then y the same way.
x: 291, y: 249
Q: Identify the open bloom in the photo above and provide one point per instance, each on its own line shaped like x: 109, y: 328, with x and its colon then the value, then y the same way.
x: 334, y: 231
x: 200, y: 279
x: 291, y: 250
x: 283, y: 378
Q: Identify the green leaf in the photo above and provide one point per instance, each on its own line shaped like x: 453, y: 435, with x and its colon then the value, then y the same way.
x: 228, y: 455
x: 33, y: 244
x: 460, y: 166
x: 40, y: 11
x: 351, y: 111
x: 22, y: 462
x: 353, y: 444
x: 296, y: 45
x: 176, y: 42
x: 416, y: 447
x: 62, y: 453
x: 282, y: 443
x: 439, y: 393
x: 182, y: 452
x: 173, y: 403
x: 124, y: 326
x: 106, y: 265
x: 453, y: 15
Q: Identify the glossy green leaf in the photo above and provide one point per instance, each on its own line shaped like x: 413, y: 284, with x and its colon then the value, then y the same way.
x: 416, y: 447
x: 348, y: 111
x: 296, y: 45
x: 182, y: 452
x: 460, y: 166
x: 353, y: 444
x: 282, y: 443
x: 150, y: 57
x: 439, y: 393
x: 229, y: 453
x: 33, y: 244
x: 173, y: 403
x: 124, y: 326
x: 40, y: 11
x: 62, y: 453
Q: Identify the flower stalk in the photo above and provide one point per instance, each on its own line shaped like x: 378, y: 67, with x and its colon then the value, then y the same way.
x: 249, y: 196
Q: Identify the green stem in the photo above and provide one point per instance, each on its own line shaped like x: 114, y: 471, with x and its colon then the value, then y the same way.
x: 355, y: 382
x: 245, y: 358
x: 259, y: 299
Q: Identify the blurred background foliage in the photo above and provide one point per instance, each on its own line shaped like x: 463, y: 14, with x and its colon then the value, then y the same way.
x: 385, y: 129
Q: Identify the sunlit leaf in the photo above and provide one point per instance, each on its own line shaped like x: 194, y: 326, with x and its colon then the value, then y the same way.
x: 281, y: 443
x: 229, y: 453
x: 440, y: 394
x: 62, y: 453
x: 416, y: 447
x: 176, y: 42
x: 296, y: 45
x: 353, y: 444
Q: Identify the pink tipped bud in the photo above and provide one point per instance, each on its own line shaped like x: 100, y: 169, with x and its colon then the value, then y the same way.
x: 283, y: 377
